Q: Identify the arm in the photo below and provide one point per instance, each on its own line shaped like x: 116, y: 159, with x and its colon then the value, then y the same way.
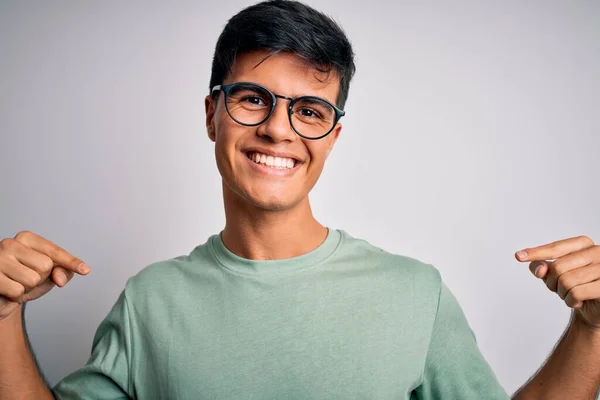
x: 455, y: 367
x: 571, y: 269
x: 573, y: 369
x: 107, y: 374
x: 19, y: 374
x: 30, y: 266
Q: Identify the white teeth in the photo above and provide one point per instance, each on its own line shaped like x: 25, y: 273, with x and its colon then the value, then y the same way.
x: 273, y: 162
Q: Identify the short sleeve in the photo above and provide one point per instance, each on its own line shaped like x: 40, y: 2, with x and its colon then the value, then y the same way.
x: 106, y: 374
x: 455, y: 367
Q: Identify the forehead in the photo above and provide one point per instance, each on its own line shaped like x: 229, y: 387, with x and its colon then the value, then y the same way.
x: 285, y: 74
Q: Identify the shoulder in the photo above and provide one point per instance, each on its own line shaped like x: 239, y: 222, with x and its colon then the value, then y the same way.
x: 423, y: 277
x: 163, y: 277
x: 361, y: 249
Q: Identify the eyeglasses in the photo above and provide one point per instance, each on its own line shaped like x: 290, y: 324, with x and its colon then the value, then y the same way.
x: 251, y: 104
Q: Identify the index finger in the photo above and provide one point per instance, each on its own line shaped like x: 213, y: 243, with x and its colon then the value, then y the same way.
x: 554, y: 250
x: 59, y: 255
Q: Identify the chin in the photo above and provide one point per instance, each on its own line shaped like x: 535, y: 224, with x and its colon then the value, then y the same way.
x: 273, y: 203
x: 268, y: 197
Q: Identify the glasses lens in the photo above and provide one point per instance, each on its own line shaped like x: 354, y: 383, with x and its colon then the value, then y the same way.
x: 249, y: 104
x: 312, y: 117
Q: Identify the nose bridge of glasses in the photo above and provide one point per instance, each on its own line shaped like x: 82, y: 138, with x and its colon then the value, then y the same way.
x: 284, y: 110
x: 289, y: 99
x: 277, y: 124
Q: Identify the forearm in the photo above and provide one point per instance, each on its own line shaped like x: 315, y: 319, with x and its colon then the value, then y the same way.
x: 572, y: 371
x: 19, y: 375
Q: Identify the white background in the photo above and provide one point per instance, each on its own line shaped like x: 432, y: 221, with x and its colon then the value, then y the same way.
x: 472, y: 130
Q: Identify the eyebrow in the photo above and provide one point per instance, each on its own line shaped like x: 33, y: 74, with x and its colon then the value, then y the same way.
x: 293, y: 96
x: 313, y: 98
x: 316, y: 100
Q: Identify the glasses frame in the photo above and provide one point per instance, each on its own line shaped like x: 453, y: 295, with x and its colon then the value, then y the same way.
x: 339, y: 113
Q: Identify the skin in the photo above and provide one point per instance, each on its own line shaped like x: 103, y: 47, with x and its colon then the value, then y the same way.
x: 30, y: 266
x: 571, y: 269
x: 268, y: 216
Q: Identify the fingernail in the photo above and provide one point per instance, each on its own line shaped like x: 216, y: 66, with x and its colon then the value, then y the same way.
x: 535, y: 271
x: 84, y: 268
x: 522, y: 254
x: 61, y: 278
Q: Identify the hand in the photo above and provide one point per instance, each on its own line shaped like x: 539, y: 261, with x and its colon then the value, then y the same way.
x: 30, y: 266
x: 571, y: 268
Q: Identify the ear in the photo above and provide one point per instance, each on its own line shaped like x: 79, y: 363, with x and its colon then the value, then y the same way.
x: 210, y: 106
x: 333, y: 137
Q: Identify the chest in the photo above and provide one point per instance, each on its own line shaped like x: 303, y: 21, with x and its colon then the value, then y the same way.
x: 295, y: 342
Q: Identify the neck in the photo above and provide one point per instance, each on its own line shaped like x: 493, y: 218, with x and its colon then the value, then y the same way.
x: 258, y: 234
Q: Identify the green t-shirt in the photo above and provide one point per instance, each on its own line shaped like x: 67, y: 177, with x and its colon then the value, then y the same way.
x: 345, y: 321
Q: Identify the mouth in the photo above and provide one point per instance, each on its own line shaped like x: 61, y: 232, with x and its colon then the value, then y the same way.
x: 276, y: 162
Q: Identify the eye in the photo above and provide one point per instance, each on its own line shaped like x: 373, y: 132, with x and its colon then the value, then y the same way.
x: 309, y: 113
x: 255, y: 100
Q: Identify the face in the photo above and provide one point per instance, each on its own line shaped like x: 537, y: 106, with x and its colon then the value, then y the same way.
x: 242, y: 152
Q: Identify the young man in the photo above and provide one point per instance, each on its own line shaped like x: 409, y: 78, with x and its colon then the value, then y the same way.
x: 278, y: 306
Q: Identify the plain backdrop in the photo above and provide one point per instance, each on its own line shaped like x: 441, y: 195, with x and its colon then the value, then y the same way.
x: 472, y: 131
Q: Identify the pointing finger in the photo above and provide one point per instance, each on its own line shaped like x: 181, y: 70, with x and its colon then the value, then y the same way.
x: 554, y: 250
x: 56, y: 253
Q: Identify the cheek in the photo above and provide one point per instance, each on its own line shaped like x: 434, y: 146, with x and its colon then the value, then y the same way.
x: 227, y: 135
x: 318, y: 154
x: 224, y: 146
x: 228, y: 141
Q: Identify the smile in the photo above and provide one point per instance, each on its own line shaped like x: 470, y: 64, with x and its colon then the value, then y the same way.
x: 271, y: 161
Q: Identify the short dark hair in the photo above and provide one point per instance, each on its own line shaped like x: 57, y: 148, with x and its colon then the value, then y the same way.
x: 286, y: 26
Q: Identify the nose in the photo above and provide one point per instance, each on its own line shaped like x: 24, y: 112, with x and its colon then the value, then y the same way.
x: 277, y: 128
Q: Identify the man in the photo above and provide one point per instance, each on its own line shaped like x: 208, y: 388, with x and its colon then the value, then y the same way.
x: 277, y: 305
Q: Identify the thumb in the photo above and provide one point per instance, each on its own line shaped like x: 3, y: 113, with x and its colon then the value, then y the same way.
x: 539, y: 269
x: 61, y: 276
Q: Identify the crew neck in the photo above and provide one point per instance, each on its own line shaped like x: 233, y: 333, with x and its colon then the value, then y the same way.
x: 241, y: 265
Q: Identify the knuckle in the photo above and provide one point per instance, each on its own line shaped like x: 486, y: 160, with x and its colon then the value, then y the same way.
x: 7, y: 244
x: 33, y: 280
x: 586, y: 240
x: 576, y: 294
x: 30, y: 280
x: 14, y: 291
x: 23, y: 236
x: 46, y: 264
